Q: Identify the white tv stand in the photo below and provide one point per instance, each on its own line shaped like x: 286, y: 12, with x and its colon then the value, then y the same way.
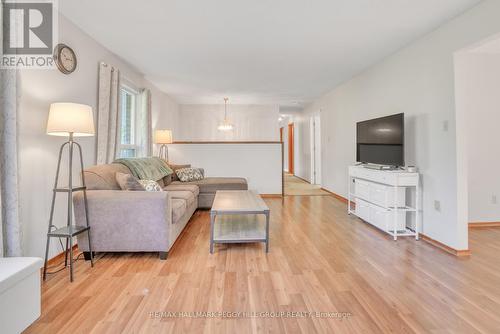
x: 380, y: 199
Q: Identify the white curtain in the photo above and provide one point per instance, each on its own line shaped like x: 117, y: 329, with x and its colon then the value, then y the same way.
x: 145, y: 136
x: 108, y: 107
x: 10, y: 225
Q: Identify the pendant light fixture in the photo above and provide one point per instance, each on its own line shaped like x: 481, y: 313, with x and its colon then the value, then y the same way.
x: 225, y: 125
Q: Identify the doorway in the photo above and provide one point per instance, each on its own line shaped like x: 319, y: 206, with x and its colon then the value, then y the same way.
x: 477, y: 78
x: 296, y: 183
x: 291, y: 148
x: 315, y: 126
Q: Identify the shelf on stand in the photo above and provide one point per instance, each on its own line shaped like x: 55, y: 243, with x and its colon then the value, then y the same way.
x: 65, y: 231
x: 67, y: 189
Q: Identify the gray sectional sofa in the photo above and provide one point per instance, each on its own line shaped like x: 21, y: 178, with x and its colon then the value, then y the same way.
x: 141, y: 221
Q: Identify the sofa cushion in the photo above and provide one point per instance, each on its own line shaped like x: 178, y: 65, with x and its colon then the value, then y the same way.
x: 102, y: 177
x: 128, y: 182
x: 206, y: 200
x: 179, y: 207
x: 166, y: 180
x: 186, y: 195
x: 212, y: 184
x: 183, y: 187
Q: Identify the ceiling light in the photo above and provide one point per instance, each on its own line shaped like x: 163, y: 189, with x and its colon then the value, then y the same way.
x: 225, y: 125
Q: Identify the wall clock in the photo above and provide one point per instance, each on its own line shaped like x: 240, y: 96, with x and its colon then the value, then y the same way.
x: 65, y: 58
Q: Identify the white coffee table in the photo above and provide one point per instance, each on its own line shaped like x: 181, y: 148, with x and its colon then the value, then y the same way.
x: 238, y: 216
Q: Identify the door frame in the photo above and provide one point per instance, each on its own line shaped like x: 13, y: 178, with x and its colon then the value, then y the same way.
x: 315, y: 127
x: 291, y: 148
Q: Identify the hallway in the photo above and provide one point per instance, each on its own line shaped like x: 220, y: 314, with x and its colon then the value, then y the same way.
x: 295, y: 186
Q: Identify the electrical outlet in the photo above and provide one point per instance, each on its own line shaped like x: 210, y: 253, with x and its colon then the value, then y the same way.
x: 493, y: 199
x: 437, y: 205
x: 445, y: 126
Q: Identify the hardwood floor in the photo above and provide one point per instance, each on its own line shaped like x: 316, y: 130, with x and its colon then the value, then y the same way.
x: 320, y: 260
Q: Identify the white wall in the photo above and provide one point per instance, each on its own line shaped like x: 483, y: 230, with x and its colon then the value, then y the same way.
x: 303, y: 145
x: 259, y: 163
x: 198, y: 122
x: 478, y: 93
x: 419, y: 81
x: 38, y: 152
x: 165, y: 110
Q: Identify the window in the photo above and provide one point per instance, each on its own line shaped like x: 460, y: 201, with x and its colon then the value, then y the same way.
x: 128, y: 147
x: 134, y: 122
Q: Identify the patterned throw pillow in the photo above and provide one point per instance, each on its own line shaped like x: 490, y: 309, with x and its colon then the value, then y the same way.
x: 189, y: 174
x: 150, y: 185
x: 175, y: 168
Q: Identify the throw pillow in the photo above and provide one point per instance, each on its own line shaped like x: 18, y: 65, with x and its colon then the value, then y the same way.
x: 175, y: 168
x: 189, y: 174
x: 150, y: 185
x: 128, y: 182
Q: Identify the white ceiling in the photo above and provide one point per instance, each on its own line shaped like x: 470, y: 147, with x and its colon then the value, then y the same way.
x: 256, y: 51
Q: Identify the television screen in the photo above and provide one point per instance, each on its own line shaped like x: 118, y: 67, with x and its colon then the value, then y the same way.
x: 381, y: 141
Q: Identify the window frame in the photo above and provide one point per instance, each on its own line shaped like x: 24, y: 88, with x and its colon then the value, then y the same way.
x: 131, y: 90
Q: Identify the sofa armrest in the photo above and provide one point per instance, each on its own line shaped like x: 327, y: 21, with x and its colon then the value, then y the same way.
x: 125, y: 220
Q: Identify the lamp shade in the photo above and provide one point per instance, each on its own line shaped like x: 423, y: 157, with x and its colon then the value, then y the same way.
x: 163, y: 137
x: 225, y: 126
x: 66, y: 118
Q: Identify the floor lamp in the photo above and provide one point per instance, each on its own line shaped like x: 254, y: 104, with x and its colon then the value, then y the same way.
x: 69, y: 120
x: 163, y: 138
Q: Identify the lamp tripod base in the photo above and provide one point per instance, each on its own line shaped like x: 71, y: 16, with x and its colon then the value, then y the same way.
x: 70, y: 230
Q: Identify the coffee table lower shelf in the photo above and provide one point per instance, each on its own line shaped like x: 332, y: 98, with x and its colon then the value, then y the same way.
x: 240, y: 228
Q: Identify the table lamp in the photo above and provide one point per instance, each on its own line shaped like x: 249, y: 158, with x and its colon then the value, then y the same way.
x: 71, y: 120
x: 163, y: 137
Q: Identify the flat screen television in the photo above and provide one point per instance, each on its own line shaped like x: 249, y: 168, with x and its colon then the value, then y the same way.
x: 381, y: 141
